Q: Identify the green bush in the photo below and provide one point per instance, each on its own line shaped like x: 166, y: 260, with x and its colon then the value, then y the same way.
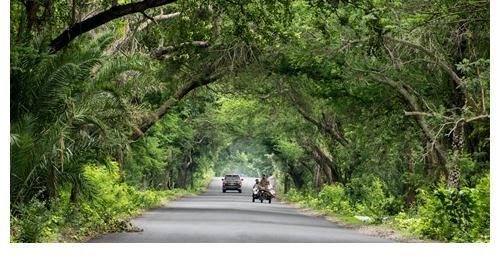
x: 449, y: 214
x: 294, y: 196
x: 406, y: 222
x: 34, y: 226
x: 106, y: 211
x: 371, y: 200
x: 375, y: 200
x: 333, y: 198
x: 369, y: 197
x: 482, y: 215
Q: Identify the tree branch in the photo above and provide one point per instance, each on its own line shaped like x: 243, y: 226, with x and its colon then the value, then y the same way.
x: 416, y: 113
x: 325, y: 128
x: 422, y: 123
x: 160, y: 52
x: 485, y: 116
x: 156, y: 19
x: 149, y: 17
x: 143, y: 26
x: 100, y: 19
x: 426, y: 114
x: 207, y: 78
x: 429, y: 53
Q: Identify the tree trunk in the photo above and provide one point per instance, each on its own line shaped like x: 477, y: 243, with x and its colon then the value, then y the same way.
x: 286, y: 184
x: 317, y: 180
x: 166, y: 181
x: 125, y: 41
x: 411, y: 193
x: 326, y: 164
x: 48, y: 13
x: 457, y: 147
x: 51, y: 182
x: 329, y: 129
x: 119, y: 160
x: 144, y: 182
x: 296, y: 175
x: 21, y: 30
x: 184, y: 171
x: 72, y: 20
x: 74, y: 194
x: 32, y: 7
x: 181, y: 178
x: 431, y: 161
x: 459, y: 103
x: 187, y: 169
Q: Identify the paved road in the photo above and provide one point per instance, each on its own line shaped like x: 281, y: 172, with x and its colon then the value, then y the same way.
x: 232, y: 217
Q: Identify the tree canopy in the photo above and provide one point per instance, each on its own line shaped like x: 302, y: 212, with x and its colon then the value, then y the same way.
x: 386, y: 95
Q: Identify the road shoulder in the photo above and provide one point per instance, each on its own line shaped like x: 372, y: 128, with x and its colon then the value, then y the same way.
x: 381, y: 231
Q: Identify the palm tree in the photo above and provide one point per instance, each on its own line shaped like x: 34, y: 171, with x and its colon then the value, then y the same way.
x: 70, y: 109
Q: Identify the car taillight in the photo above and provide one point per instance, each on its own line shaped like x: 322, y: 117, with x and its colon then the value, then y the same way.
x: 238, y: 181
x: 224, y: 182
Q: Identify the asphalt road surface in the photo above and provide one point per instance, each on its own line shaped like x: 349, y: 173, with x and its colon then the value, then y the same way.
x: 228, y: 217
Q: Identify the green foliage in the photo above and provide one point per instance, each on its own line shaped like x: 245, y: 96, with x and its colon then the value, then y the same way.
x: 107, y: 211
x: 31, y: 224
x: 375, y: 203
x: 447, y: 214
x: 289, y: 149
x: 457, y: 215
x: 372, y: 200
x: 333, y: 198
x: 292, y: 77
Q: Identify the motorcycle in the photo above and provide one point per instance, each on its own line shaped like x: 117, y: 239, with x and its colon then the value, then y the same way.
x: 261, y: 194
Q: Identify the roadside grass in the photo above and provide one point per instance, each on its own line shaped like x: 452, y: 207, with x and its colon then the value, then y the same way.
x: 387, y: 229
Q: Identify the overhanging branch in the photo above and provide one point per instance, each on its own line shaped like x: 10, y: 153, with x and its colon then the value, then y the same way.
x: 102, y: 18
x: 160, y: 52
x: 329, y: 129
x: 403, y: 90
x: 429, y: 53
x: 206, y: 78
x: 143, y: 26
x: 156, y: 19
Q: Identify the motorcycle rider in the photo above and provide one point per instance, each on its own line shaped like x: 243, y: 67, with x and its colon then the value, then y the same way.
x: 256, y: 184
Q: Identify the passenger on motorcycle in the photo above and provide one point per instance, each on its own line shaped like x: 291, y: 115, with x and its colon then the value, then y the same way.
x: 264, y: 185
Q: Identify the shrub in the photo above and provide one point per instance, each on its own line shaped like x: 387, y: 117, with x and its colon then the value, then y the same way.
x: 333, y: 198
x: 34, y: 225
x: 294, y: 196
x: 406, y: 222
x: 106, y: 211
x: 449, y: 214
x: 375, y: 200
x: 482, y: 215
x: 370, y: 198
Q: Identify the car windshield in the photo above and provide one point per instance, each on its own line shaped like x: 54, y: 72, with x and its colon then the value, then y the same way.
x: 232, y: 176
